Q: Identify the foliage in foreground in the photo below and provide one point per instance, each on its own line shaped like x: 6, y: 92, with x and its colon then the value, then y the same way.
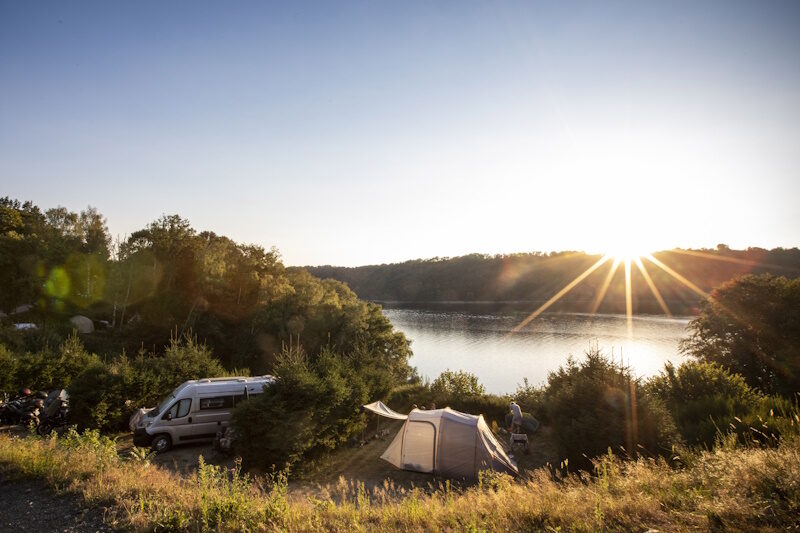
x: 313, y: 407
x: 595, y: 405
x: 733, y: 486
x: 704, y: 397
x: 104, y: 395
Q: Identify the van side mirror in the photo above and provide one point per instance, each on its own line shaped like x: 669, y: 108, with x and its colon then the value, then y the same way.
x: 168, y: 416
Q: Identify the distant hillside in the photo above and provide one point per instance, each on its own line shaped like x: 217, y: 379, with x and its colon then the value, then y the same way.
x: 528, y: 279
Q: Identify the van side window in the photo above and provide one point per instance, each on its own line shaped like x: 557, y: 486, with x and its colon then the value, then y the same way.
x: 237, y: 398
x: 179, y: 409
x: 218, y: 402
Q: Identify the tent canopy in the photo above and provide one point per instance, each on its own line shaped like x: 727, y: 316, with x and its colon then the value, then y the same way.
x: 379, y: 408
x: 448, y: 443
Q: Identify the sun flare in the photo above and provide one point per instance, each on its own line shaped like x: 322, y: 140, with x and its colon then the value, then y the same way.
x: 627, y: 252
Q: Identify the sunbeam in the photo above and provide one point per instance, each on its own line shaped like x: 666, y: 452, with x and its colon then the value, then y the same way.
x: 628, y: 298
x: 561, y: 293
x: 604, y: 287
x: 726, y: 259
x: 626, y: 260
x: 675, y: 275
x: 652, y: 286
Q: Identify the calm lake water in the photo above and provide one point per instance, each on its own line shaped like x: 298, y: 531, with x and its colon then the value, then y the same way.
x: 480, y: 343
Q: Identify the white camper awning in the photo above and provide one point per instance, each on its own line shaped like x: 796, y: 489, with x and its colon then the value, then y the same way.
x: 379, y: 408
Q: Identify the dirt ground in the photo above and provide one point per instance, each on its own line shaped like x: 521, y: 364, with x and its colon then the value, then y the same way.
x: 27, y: 505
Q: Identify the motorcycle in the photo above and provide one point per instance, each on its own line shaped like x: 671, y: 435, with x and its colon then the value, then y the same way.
x: 55, y: 412
x: 21, y: 410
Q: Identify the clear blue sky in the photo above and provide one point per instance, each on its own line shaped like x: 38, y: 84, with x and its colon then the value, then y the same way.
x: 367, y: 132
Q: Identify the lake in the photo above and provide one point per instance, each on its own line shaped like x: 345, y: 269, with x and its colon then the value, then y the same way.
x: 480, y: 342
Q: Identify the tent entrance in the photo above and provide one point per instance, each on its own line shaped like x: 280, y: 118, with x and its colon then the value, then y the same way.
x: 419, y: 446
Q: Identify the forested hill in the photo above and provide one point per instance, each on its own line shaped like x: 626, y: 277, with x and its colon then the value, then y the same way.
x: 527, y: 279
x: 168, y: 279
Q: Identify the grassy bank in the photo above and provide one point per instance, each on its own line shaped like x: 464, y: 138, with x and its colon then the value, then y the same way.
x: 740, y: 487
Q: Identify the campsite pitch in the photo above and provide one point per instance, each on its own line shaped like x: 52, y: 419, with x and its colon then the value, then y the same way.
x: 355, y: 465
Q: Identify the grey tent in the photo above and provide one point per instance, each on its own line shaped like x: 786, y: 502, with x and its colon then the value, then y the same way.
x: 82, y: 324
x: 447, y: 443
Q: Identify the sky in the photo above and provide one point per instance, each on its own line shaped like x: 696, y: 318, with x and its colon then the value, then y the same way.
x: 354, y: 133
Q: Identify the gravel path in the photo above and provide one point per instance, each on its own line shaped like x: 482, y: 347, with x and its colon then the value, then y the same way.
x: 31, y: 506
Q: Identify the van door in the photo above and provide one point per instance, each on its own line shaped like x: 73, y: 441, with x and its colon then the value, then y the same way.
x: 177, y: 420
x: 213, y: 414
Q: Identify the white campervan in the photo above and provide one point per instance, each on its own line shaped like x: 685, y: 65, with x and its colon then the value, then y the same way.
x: 194, y: 412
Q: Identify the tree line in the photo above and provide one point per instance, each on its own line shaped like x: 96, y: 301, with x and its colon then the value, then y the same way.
x: 173, y: 304
x: 530, y: 279
x: 168, y: 280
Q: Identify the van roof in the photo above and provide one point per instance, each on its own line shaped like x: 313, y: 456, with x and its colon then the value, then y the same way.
x: 247, y: 380
x: 226, y: 385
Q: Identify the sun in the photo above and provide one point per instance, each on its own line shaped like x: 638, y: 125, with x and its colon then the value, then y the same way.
x: 625, y: 252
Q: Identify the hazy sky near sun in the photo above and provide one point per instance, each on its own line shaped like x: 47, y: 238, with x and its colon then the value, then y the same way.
x: 366, y: 132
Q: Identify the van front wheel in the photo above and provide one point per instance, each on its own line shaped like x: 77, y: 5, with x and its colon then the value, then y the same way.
x: 161, y: 443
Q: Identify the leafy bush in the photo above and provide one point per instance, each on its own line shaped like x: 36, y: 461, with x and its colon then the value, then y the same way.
x: 532, y: 400
x: 706, y: 401
x: 9, y: 364
x: 426, y: 395
x: 312, y: 407
x: 595, y: 405
x: 459, y: 383
x: 49, y: 369
x: 104, y: 395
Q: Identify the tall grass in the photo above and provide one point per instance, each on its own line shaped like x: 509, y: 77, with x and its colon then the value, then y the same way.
x: 740, y: 486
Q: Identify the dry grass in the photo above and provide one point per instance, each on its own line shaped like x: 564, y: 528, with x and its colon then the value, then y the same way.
x: 743, y: 488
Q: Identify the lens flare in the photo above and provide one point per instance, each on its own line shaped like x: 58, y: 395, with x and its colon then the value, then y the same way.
x: 626, y: 254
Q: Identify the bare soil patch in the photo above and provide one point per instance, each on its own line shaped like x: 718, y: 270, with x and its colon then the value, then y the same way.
x: 29, y: 505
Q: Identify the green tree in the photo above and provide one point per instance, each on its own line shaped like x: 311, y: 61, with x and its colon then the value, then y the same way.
x: 595, y: 405
x: 313, y: 407
x: 458, y: 383
x: 751, y: 326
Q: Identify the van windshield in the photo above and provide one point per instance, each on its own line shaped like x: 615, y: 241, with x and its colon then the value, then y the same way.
x: 164, y: 404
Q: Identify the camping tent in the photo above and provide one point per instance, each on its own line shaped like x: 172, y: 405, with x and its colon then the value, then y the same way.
x: 447, y: 443
x: 82, y: 324
x: 380, y: 408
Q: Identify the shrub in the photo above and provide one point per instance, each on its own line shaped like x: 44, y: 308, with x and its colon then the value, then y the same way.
x: 49, y: 369
x: 313, y: 406
x: 532, y: 400
x: 426, y: 395
x: 9, y: 364
x: 595, y: 405
x: 459, y: 383
x: 707, y: 400
x: 104, y: 395
x: 97, y: 396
